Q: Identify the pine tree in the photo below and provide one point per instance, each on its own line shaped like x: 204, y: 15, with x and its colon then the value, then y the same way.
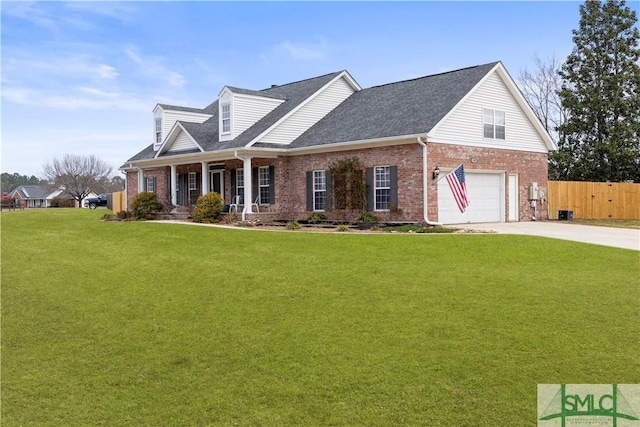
x: 600, y: 139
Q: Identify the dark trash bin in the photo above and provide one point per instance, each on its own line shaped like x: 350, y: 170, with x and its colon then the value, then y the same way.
x: 565, y: 215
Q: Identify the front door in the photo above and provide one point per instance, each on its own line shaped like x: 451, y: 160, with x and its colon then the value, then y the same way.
x: 216, y: 181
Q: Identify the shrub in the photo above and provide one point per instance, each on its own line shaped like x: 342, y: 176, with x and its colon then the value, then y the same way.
x: 367, y: 217
x: 59, y: 202
x: 293, y: 225
x: 343, y: 227
x: 208, y: 208
x: 316, y: 217
x: 144, y: 205
x: 230, y: 218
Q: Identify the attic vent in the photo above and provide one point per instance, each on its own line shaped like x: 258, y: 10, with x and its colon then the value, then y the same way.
x: 272, y: 86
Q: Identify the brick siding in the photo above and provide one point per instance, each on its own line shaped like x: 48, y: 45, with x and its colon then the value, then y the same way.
x: 290, y: 176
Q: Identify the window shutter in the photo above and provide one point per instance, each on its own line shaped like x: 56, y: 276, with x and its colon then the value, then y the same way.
x: 254, y: 185
x: 233, y: 184
x: 309, y: 190
x: 370, y: 192
x: 272, y: 184
x: 328, y: 196
x: 393, y: 191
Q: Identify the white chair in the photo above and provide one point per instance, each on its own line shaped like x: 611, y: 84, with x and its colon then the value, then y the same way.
x: 235, y: 202
x: 256, y: 204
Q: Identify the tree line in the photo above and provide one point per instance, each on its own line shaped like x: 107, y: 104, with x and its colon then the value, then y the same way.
x: 590, y: 104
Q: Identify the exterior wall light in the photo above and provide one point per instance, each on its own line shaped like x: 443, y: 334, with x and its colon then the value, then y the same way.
x: 436, y: 172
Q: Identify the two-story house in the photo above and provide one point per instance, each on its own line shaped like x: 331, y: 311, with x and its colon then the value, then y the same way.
x: 274, y: 147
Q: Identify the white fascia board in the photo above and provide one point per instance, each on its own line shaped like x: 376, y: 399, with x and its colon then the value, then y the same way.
x: 224, y: 88
x: 479, y: 144
x: 350, y: 80
x: 173, y: 133
x: 247, y: 96
x: 302, y: 104
x: 355, y: 145
x: 156, y: 108
x: 522, y: 102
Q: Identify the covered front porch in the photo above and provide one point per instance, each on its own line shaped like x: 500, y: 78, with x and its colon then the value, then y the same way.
x: 246, y: 184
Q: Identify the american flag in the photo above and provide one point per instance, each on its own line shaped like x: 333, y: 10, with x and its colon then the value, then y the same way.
x: 458, y: 187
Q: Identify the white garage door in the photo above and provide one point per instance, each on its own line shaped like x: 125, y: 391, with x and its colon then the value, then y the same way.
x: 486, y: 200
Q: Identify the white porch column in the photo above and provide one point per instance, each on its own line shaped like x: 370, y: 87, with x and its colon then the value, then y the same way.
x: 248, y: 197
x: 205, y: 178
x: 174, y: 187
x: 141, y: 181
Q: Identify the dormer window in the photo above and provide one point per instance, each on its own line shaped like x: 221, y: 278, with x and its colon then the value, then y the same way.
x: 226, y: 118
x: 158, y: 130
x: 494, y: 124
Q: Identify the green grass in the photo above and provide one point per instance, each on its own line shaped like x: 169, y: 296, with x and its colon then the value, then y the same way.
x: 138, y: 323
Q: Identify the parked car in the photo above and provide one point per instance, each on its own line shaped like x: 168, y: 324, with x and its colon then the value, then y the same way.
x: 94, y: 202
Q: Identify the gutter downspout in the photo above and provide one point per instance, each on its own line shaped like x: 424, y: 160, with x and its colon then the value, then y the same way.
x: 425, y: 184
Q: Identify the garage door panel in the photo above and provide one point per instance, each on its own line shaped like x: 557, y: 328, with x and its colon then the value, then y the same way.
x: 485, y: 200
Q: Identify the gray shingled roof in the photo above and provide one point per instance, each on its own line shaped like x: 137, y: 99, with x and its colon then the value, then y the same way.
x: 206, y: 110
x: 407, y: 107
x: 31, y: 192
x: 206, y: 134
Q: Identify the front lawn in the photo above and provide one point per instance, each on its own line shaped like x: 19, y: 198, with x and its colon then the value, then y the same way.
x: 140, y: 323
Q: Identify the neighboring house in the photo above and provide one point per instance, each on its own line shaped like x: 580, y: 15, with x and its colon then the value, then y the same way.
x: 276, y: 145
x: 60, y: 198
x: 30, y: 196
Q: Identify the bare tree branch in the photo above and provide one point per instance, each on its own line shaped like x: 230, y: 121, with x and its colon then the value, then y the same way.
x: 79, y: 175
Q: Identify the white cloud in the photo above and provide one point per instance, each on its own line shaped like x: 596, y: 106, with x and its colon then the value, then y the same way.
x: 153, y: 66
x: 31, y: 12
x: 72, y: 65
x: 74, y: 98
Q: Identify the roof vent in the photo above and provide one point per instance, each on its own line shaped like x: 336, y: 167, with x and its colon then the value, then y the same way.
x: 272, y: 86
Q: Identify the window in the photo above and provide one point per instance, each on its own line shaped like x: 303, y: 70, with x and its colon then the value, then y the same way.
x: 382, y: 189
x: 319, y: 190
x: 264, y: 181
x: 158, y: 130
x: 494, y: 124
x: 150, y: 184
x: 193, y: 181
x: 240, y: 184
x: 226, y: 118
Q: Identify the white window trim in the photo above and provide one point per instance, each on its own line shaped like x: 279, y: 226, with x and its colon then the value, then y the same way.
x: 193, y: 176
x: 376, y: 187
x: 223, y: 119
x: 494, y: 123
x: 150, y: 184
x: 158, y: 130
x: 240, y: 177
x: 261, y: 185
x: 323, y: 190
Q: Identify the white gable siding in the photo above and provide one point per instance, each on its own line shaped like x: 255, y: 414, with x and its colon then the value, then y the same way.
x: 309, y: 114
x: 465, y: 125
x: 247, y: 110
x: 170, y: 117
x: 182, y: 142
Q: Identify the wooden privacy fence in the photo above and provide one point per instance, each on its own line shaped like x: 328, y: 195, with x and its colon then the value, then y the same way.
x: 118, y: 202
x: 594, y: 200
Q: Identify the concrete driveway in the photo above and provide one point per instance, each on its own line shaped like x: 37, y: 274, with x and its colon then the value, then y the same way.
x: 626, y: 238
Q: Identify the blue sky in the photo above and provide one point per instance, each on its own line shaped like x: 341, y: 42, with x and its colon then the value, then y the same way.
x: 84, y: 77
